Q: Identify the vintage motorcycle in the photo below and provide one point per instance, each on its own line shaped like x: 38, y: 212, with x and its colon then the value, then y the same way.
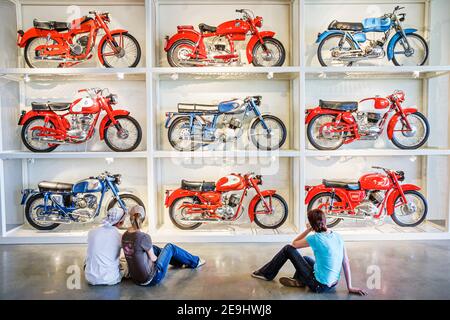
x: 334, y: 123
x: 195, y: 125
x: 62, y: 44
x: 371, y: 197
x: 55, y: 203
x: 345, y: 42
x: 198, y: 202
x: 44, y: 129
x: 216, y: 45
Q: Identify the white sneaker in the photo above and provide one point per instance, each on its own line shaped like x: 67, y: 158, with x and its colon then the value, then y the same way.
x: 259, y: 275
x: 201, y: 262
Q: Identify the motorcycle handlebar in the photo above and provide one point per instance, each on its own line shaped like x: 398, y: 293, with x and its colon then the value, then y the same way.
x: 239, y: 10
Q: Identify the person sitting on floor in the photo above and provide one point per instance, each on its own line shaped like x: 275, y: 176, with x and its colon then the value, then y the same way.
x: 148, y: 263
x: 103, y: 266
x: 321, y: 274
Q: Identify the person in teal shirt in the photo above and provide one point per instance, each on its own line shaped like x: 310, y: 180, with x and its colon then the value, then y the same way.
x: 320, y: 274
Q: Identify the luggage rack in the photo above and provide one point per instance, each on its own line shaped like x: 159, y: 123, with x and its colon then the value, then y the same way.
x: 195, y: 107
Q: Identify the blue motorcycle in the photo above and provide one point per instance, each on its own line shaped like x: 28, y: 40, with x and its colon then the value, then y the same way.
x: 55, y: 203
x: 196, y: 125
x: 345, y: 42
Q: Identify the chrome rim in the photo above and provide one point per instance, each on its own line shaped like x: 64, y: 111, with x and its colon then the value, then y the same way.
x: 38, y: 212
x: 31, y: 54
x: 269, y: 138
x: 330, y: 51
x: 322, y: 135
x: 416, y: 54
x: 126, y: 137
x: 180, y: 214
x: 181, y: 54
x: 129, y: 203
x: 268, y: 58
x: 181, y: 136
x: 125, y: 57
x: 31, y: 135
x: 415, y: 136
x: 322, y: 203
x: 277, y: 215
x: 411, y: 212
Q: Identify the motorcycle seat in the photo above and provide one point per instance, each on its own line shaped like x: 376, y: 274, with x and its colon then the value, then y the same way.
x: 206, y: 28
x: 54, y: 186
x: 51, y: 25
x: 53, y: 106
x: 349, y: 185
x: 230, y: 106
x: 339, y: 105
x: 198, y: 185
x: 346, y: 26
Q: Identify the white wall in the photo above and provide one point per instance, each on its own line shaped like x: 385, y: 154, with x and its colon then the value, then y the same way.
x: 439, y: 30
x: 8, y: 35
x: 13, y: 188
x: 9, y: 109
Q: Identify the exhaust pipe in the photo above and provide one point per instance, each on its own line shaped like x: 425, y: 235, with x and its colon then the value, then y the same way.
x: 348, y: 216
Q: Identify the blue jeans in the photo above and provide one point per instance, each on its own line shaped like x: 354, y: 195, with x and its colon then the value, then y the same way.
x: 171, y: 255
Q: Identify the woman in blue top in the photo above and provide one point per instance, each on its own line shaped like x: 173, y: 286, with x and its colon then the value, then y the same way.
x: 321, y: 274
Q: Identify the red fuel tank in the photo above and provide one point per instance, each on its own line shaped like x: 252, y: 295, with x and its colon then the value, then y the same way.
x: 375, y: 181
x: 235, y: 28
x: 230, y: 182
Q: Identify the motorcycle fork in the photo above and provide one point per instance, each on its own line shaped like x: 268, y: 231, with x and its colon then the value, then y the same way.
x: 403, y: 117
x: 258, y: 114
x: 267, y: 206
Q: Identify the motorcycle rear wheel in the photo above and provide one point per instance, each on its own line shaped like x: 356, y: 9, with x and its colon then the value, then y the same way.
x: 329, y: 38
x: 182, y: 122
x: 25, y: 134
x: 30, y: 53
x: 179, y: 50
x: 263, y: 224
x: 311, y: 205
x: 29, y: 213
x: 312, y: 138
x: 174, y: 218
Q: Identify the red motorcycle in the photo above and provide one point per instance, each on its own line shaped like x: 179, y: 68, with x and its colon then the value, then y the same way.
x: 334, y: 123
x: 44, y: 129
x: 198, y: 202
x: 67, y: 44
x: 371, y: 197
x: 215, y: 45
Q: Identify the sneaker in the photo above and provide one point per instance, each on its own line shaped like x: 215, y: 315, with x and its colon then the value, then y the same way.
x: 201, y: 262
x: 258, y: 275
x: 291, y: 282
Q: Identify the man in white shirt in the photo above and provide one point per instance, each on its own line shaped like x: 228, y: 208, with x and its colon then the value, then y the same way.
x: 102, y: 262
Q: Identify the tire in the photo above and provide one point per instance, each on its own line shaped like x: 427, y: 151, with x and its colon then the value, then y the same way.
x: 277, y: 44
x: 174, y: 220
x: 309, y: 132
x: 401, y: 224
x: 170, y: 52
x: 427, y: 125
x: 319, y: 49
x: 30, y: 218
x: 194, y: 146
x: 138, y: 51
x: 325, y: 194
x: 25, y: 142
x: 283, y: 129
x: 125, y: 196
x: 138, y: 138
x: 27, y: 48
x: 420, y: 38
x: 282, y: 221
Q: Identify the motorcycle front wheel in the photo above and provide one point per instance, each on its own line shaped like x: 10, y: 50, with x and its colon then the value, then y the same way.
x: 180, y: 136
x: 328, y: 46
x: 413, y: 213
x: 321, y: 201
x: 130, y: 201
x: 414, y: 139
x: 271, y: 54
x: 127, y: 138
x: 32, y: 213
x: 419, y: 51
x: 319, y: 134
x: 128, y: 55
x: 268, y: 141
x: 176, y: 214
x: 278, y: 215
x: 28, y: 136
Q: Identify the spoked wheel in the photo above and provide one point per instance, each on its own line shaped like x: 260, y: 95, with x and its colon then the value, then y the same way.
x: 271, y: 54
x: 275, y: 219
x: 320, y: 135
x: 180, y: 52
x: 130, y: 200
x: 414, y: 55
x: 269, y: 137
x: 126, y: 55
x: 414, y: 138
x: 125, y: 138
x: 322, y: 201
x: 413, y: 212
x: 331, y: 48
x: 29, y: 137
x: 178, y: 215
x: 34, y: 210
x: 180, y: 136
x: 31, y: 53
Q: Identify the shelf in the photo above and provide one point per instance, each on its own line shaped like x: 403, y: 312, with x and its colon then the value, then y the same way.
x: 377, y: 152
x: 9, y: 155
x: 227, y: 154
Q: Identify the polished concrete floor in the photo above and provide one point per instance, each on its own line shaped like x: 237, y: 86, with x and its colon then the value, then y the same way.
x: 405, y: 270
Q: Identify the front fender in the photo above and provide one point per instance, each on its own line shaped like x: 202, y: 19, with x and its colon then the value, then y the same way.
x: 326, y: 33
x: 188, y: 34
x: 105, y: 119
x: 390, y: 202
x: 176, y: 194
x: 253, y: 40
x: 395, y: 37
x: 394, y: 119
x: 104, y: 38
x: 254, y: 201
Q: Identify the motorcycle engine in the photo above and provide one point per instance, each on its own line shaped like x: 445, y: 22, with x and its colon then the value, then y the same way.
x: 79, y: 46
x: 86, y: 205
x: 368, y: 124
x: 375, y: 49
x: 218, y: 46
x: 369, y: 206
x: 230, y: 202
x: 228, y: 129
x: 80, y: 124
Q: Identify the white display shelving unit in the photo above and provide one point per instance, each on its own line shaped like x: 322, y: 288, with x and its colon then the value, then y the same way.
x: 154, y: 167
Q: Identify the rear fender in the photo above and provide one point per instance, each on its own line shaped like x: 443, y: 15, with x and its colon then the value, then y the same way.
x: 394, y: 119
x: 390, y: 202
x: 26, y: 193
x: 254, y: 201
x: 395, y: 37
x: 311, y: 113
x: 31, y: 33
x: 342, y: 194
x: 104, y: 38
x: 253, y: 40
x: 58, y: 122
x: 188, y: 34
x: 105, y: 119
x: 326, y: 33
x: 176, y: 194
